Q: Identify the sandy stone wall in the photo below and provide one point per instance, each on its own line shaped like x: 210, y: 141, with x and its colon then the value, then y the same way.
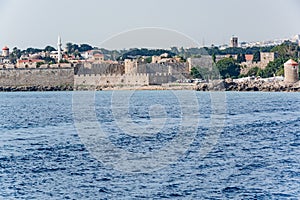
x: 37, y: 77
x: 108, y: 80
x: 125, y: 80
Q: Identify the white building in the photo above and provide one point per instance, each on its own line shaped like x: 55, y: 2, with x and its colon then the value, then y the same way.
x: 296, y: 39
x: 5, y: 51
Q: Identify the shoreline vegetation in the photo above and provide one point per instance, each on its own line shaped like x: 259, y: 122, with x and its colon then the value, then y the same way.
x: 217, y: 85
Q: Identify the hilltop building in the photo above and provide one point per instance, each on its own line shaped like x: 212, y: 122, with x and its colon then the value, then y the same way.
x: 291, y: 71
x: 205, y: 61
x: 296, y: 39
x: 249, y: 58
x: 5, y: 51
x: 98, y: 57
x: 31, y: 63
x: 164, y: 58
x: 234, y: 41
x: 265, y: 58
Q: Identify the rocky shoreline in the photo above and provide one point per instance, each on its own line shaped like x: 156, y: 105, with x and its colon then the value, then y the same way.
x: 35, y: 88
x: 144, y: 87
x: 256, y: 85
x: 218, y: 85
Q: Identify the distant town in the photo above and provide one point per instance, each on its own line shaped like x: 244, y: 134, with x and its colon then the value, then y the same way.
x: 82, y: 66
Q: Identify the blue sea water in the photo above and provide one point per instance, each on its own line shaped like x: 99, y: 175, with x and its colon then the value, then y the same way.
x: 256, y: 155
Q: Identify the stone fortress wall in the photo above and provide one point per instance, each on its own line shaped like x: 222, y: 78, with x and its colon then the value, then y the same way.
x: 133, y: 67
x: 37, y: 77
x: 98, y: 68
x: 106, y: 80
x: 110, y: 79
x: 205, y: 61
x: 131, y: 73
x: 93, y: 74
x: 101, y: 75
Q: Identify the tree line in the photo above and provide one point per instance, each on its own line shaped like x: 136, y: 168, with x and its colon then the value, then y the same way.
x: 230, y: 67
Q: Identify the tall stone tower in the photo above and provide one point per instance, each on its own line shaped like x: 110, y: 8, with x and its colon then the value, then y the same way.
x: 59, y: 57
x: 291, y: 71
x: 234, y: 41
x: 131, y: 66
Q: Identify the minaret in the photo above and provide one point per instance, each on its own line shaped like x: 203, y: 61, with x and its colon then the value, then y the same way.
x: 59, y: 57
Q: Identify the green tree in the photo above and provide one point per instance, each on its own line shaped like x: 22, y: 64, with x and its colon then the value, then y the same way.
x: 31, y: 50
x: 146, y: 52
x: 63, y: 61
x: 205, y: 73
x: 85, y: 47
x: 49, y: 49
x: 241, y: 58
x: 287, y: 50
x: 195, y: 73
x: 260, y: 72
x: 274, y: 67
x: 15, y: 55
x: 253, y: 71
x: 280, y: 71
x: 77, y: 54
x: 284, y: 52
x: 214, y: 57
x: 174, y: 50
x: 228, y: 68
x: 49, y: 60
x: 39, y: 64
x: 148, y: 59
x: 256, y: 56
x: 69, y: 47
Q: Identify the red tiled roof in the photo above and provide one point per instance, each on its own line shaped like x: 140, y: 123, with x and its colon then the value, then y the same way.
x: 98, y: 55
x: 291, y: 62
x: 30, y: 61
x: 249, y: 57
x: 5, y: 48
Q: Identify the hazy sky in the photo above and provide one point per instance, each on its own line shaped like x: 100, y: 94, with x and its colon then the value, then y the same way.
x: 37, y: 23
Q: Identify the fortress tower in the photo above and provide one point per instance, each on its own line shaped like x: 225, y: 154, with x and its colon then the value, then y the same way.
x: 5, y: 51
x: 130, y: 66
x: 291, y: 71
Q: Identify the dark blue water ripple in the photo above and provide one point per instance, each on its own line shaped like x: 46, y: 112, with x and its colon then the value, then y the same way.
x: 256, y: 157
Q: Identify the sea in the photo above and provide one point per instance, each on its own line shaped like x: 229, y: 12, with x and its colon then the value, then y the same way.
x: 149, y: 145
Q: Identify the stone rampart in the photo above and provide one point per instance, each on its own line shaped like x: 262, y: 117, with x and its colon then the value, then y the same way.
x: 111, y: 80
x: 37, y: 77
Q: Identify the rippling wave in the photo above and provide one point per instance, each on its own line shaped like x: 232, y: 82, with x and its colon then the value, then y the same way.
x: 256, y: 157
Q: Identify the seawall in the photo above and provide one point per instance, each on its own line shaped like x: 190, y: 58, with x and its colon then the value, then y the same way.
x: 36, y: 79
x: 62, y: 79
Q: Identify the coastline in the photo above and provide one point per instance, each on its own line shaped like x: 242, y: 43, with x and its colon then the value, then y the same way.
x: 246, y: 86
x: 219, y: 85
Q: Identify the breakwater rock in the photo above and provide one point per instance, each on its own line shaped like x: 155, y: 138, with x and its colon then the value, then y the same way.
x: 169, y: 86
x: 253, y: 85
x: 36, y: 88
x: 218, y: 85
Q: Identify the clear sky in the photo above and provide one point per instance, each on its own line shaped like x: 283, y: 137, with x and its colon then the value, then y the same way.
x: 37, y: 23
